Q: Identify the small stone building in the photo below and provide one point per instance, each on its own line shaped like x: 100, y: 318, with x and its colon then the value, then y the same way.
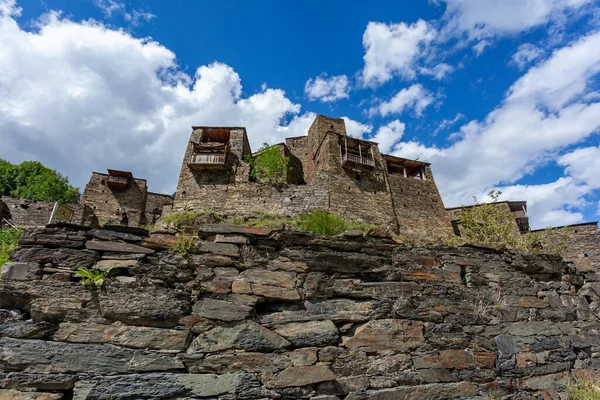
x: 330, y: 171
x: 119, y: 198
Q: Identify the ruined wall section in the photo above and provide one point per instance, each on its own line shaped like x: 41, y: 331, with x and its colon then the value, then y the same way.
x: 256, y: 314
x: 419, y: 206
x: 582, y: 243
x: 116, y: 206
x: 155, y: 204
x: 25, y: 212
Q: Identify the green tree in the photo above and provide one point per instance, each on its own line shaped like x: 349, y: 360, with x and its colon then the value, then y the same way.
x: 269, y: 166
x: 32, y: 180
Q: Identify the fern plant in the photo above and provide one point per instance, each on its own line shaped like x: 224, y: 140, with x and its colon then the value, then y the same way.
x: 95, y: 276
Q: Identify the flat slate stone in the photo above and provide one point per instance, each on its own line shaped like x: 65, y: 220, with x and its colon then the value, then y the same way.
x: 302, y: 376
x: 218, y: 228
x: 39, y: 356
x: 117, y: 247
x: 221, y: 310
x: 21, y: 271
x: 105, y: 234
x: 20, y: 380
x: 165, y: 386
x: 136, y: 337
x: 127, y: 229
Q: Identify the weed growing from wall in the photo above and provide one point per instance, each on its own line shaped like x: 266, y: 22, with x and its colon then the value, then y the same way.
x: 94, y: 276
x: 586, y: 388
x: 185, y: 245
x: 9, y: 240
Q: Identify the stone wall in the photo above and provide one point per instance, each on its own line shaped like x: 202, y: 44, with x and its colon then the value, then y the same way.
x: 25, y: 212
x: 582, y: 243
x: 256, y: 314
x: 116, y: 206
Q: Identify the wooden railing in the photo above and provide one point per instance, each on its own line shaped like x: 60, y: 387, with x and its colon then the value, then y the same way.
x: 207, y: 158
x: 119, y: 180
x: 358, y: 159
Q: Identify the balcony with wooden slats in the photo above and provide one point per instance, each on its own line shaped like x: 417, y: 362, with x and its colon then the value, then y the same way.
x: 203, y: 161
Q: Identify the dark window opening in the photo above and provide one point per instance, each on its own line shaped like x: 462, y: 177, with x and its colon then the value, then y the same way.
x: 357, y: 177
x: 455, y: 227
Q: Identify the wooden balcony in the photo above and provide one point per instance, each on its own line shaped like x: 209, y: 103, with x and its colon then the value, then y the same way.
x: 117, y: 182
x: 207, y: 161
x: 352, y: 160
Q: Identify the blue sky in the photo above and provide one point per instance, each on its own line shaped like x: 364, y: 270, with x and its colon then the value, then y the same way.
x: 497, y: 94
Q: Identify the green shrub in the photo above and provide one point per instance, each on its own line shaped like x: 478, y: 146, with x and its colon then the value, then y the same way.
x: 9, y: 240
x: 183, y: 216
x: 587, y: 388
x: 95, y: 276
x: 269, y: 166
x: 185, y: 245
x: 322, y: 223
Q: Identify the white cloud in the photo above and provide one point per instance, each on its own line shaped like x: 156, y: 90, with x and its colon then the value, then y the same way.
x: 114, y: 7
x: 415, y: 97
x: 388, y: 135
x: 356, y: 129
x: 438, y: 72
x: 583, y: 164
x: 9, y: 8
x: 447, y: 123
x: 543, y: 112
x: 480, y: 19
x: 546, y: 202
x: 394, y: 49
x: 327, y: 89
x: 525, y: 54
x: 81, y: 97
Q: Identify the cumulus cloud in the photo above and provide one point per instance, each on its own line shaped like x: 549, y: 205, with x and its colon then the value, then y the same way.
x: 543, y: 112
x: 584, y: 164
x: 82, y: 97
x: 327, y: 89
x: 394, y: 49
x: 356, y: 129
x: 415, y: 97
x: 481, y: 19
x: 388, y: 135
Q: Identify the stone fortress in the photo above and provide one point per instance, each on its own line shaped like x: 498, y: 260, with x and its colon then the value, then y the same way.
x: 256, y: 313
x: 328, y: 170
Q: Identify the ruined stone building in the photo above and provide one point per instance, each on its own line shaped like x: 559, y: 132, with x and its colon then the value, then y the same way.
x: 329, y: 170
x: 119, y: 198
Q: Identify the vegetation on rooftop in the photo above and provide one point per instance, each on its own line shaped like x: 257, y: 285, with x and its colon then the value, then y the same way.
x: 32, y: 180
x: 269, y: 166
x: 9, y: 240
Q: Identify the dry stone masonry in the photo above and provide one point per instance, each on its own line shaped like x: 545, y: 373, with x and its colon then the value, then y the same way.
x: 260, y: 314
